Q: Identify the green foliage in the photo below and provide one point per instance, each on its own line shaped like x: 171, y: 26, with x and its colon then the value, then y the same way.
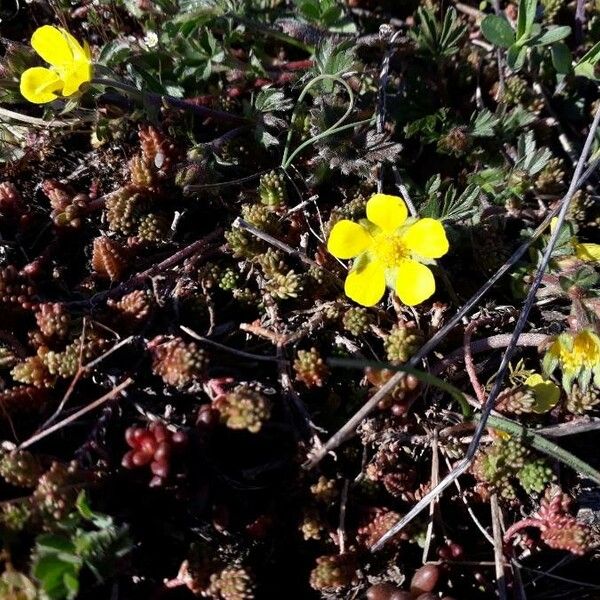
x: 448, y: 204
x: 586, y: 65
x: 87, y: 539
x: 498, y: 31
x: 440, y: 39
x: 328, y: 14
x: 483, y: 123
x: 335, y: 59
x: 530, y: 159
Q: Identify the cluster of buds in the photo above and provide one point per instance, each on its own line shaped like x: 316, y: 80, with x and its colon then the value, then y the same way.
x: 133, y: 308
x: 232, y: 583
x: 558, y: 528
x: 68, y: 208
x: 310, y: 368
x: 402, y: 342
x: 178, y: 362
x: 243, y: 408
x: 53, y: 320
x: 333, y: 573
x: 505, y: 461
x: 108, y: 258
x: 153, y: 446
x: 356, y: 320
x: 272, y: 190
x: 376, y: 525
x: 56, y: 493
x: 157, y: 149
x: 15, y: 289
x: 399, y: 399
x: 20, y: 468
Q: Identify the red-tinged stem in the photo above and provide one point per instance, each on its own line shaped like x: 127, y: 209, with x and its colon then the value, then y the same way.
x: 514, y: 529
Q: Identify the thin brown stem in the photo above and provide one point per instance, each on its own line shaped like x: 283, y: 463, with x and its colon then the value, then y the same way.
x: 469, y: 364
x: 86, y: 409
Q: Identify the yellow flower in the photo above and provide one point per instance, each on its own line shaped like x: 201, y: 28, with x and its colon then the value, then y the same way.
x: 577, y: 355
x: 388, y: 248
x: 70, y: 66
x: 586, y: 252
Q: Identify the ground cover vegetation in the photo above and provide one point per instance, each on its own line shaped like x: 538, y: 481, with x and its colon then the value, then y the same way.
x: 299, y: 299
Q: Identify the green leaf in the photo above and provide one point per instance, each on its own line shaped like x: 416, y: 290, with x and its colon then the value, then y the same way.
x: 549, y: 363
x: 553, y: 35
x: 71, y: 584
x: 592, y: 55
x: 515, y: 57
x: 54, y: 543
x: 585, y: 70
x: 527, y: 10
x: 585, y: 67
x: 498, y: 31
x: 483, y: 123
x: 561, y: 58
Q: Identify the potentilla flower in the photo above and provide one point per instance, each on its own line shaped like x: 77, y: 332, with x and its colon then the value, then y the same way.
x: 577, y: 355
x: 389, y: 249
x: 70, y: 66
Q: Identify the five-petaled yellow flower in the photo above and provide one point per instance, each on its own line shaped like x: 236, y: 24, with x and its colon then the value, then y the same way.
x: 577, y: 355
x: 70, y: 66
x: 389, y: 248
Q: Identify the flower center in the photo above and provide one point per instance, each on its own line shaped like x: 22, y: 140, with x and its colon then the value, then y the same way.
x: 389, y: 249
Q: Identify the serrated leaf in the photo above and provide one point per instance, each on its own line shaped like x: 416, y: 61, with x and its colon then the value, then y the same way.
x: 483, y: 123
x: 498, y: 31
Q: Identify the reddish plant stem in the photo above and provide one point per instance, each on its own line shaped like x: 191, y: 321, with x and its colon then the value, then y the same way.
x: 516, y: 527
x: 469, y: 364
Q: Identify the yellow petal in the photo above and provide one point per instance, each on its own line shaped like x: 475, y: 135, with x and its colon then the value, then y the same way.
x: 546, y: 393
x: 79, y: 52
x: 588, y: 252
x: 74, y: 77
x: 387, y: 212
x: 348, y: 239
x: 366, y: 285
x: 40, y: 85
x: 427, y: 238
x: 414, y: 282
x: 52, y: 45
